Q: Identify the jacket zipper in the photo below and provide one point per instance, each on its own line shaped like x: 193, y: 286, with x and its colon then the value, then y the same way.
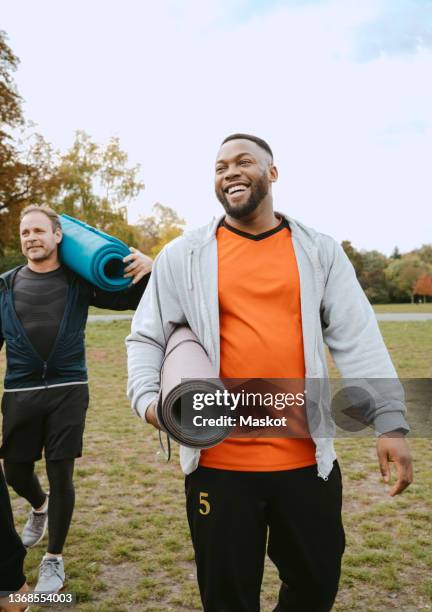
x: 59, y: 333
x: 44, y: 371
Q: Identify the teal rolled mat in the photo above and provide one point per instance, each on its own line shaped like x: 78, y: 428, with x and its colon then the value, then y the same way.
x: 93, y: 255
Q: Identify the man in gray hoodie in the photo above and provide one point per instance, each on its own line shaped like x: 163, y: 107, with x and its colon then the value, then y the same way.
x: 263, y: 293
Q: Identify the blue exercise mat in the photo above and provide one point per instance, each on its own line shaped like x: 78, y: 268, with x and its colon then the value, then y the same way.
x: 94, y: 255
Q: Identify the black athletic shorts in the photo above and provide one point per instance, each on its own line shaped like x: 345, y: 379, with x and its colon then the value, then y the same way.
x: 51, y: 419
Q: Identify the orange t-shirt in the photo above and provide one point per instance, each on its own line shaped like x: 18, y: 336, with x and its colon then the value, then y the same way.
x: 260, y: 337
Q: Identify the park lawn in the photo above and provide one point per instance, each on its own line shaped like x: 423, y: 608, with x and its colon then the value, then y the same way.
x: 378, y: 308
x: 411, y: 308
x: 104, y: 311
x: 129, y: 546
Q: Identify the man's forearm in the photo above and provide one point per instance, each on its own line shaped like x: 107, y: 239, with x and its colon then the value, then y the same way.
x: 144, y: 362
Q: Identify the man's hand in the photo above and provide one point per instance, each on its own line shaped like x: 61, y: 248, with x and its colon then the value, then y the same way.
x: 139, y: 265
x: 393, y: 447
x: 150, y: 415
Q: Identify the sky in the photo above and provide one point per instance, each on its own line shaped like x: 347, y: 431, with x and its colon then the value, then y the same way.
x: 341, y: 90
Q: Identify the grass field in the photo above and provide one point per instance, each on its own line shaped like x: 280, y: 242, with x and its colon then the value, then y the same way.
x: 411, y: 308
x: 129, y: 546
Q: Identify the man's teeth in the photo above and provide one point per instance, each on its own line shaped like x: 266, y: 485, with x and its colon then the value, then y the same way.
x: 235, y: 188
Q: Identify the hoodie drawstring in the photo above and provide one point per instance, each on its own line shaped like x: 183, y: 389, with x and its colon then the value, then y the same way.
x: 189, y: 269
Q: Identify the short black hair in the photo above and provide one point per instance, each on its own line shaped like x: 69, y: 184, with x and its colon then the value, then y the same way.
x: 259, y: 141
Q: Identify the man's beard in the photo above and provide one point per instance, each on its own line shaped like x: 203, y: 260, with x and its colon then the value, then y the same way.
x: 259, y: 190
x: 40, y: 255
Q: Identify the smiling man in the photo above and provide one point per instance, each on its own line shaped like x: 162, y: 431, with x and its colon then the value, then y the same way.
x: 262, y: 292
x: 43, y: 312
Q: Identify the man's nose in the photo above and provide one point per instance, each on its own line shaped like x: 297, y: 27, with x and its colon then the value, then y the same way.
x: 232, y: 172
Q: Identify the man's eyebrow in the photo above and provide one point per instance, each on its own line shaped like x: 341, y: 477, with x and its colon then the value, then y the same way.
x: 224, y: 161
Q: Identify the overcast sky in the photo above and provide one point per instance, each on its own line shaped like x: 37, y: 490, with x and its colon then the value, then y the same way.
x: 341, y: 89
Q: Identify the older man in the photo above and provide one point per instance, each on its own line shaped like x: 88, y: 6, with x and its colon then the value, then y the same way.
x: 43, y: 313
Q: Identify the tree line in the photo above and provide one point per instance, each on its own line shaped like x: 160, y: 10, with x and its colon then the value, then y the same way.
x: 399, y: 278
x: 95, y: 182
x: 91, y: 182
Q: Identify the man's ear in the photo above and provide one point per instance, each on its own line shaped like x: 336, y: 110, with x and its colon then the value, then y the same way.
x: 273, y: 174
x: 58, y: 236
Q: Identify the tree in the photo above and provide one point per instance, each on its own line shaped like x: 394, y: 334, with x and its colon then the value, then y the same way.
x: 373, y: 278
x: 10, y: 101
x: 425, y: 253
x: 31, y: 179
x: 90, y: 181
x: 95, y: 184
x: 354, y: 256
x: 402, y: 274
x: 423, y: 286
x: 396, y: 253
x: 159, y: 228
x: 25, y: 164
x: 10, y: 117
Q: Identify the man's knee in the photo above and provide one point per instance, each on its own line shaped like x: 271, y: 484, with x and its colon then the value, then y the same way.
x: 18, y: 475
x: 60, y: 475
x: 316, y: 595
x: 9, y: 475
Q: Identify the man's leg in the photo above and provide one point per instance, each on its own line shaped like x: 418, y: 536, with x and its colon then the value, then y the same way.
x: 306, y: 539
x: 61, y: 503
x: 63, y: 443
x: 63, y: 436
x: 226, y: 515
x: 21, y: 477
x: 23, y: 425
x: 23, y: 480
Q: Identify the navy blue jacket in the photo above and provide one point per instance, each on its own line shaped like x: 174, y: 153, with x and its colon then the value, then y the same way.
x: 66, y: 362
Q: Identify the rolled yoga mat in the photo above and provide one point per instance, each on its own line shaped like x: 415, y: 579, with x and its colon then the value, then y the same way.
x: 94, y: 255
x: 185, y: 358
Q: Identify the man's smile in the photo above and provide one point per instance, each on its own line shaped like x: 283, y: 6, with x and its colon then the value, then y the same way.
x: 237, y: 191
x: 236, y: 187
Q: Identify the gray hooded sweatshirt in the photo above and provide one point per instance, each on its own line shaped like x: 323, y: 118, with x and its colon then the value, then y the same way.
x: 183, y: 289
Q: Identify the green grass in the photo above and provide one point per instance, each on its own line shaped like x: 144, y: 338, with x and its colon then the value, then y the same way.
x: 379, y: 308
x: 103, y: 311
x: 403, y: 307
x: 129, y: 546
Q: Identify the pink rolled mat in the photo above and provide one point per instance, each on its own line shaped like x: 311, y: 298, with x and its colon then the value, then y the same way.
x: 187, y: 370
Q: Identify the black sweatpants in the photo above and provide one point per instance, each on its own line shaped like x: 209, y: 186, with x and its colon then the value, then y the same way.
x: 233, y: 516
x: 12, y: 549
